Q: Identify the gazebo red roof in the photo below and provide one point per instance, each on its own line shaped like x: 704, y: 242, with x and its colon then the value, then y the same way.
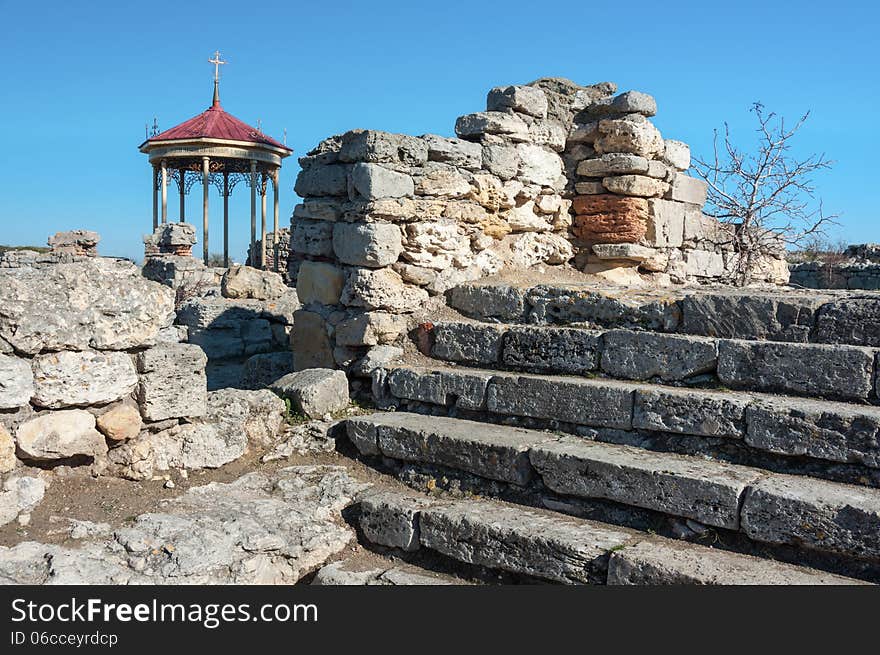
x: 215, y: 123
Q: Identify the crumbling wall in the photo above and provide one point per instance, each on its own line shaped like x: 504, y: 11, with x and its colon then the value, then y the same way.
x: 551, y: 174
x: 857, y: 268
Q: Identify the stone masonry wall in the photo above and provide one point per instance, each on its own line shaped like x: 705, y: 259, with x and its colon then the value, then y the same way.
x: 551, y: 174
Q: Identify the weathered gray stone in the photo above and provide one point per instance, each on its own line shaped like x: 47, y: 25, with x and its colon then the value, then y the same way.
x: 604, y: 308
x: 444, y: 180
x: 677, y: 154
x: 60, y: 435
x: 370, y: 329
x: 310, y: 342
x: 645, y: 355
x: 502, y: 302
x: 355, y: 573
x: 375, y: 181
x: 376, y: 357
x: 490, y: 451
x: 447, y: 387
x: 8, y: 461
x: 390, y: 518
x: 634, y: 102
x: 799, y: 426
x: 94, y: 303
x: 501, y: 160
x: 319, y: 209
x: 524, y: 99
x: 750, y: 315
x: 314, y: 392
x: 172, y: 383
x: 658, y: 561
x: 804, y: 369
x: 687, y: 189
x: 853, y: 321
x: 474, y: 126
x: 381, y: 289
x: 248, y: 282
x: 635, y: 185
x: 521, y: 540
x: 598, y: 403
x: 813, y: 513
x: 623, y: 252
x: 377, y: 146
x: 215, y: 313
x: 666, y: 222
x: 690, y: 411
x: 70, y: 379
x: 16, y: 382
x: 319, y: 282
x: 614, y: 164
x: 561, y: 350
x: 457, y: 152
x: 633, y: 134
x: 312, y: 237
x: 467, y: 342
x: 538, y: 165
x: 699, y: 489
x: 330, y: 180
x: 367, y: 244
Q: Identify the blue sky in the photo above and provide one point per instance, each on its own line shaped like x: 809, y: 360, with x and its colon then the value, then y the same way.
x: 80, y: 80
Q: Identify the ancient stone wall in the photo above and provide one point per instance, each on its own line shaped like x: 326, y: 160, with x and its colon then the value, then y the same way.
x: 857, y: 268
x: 551, y: 174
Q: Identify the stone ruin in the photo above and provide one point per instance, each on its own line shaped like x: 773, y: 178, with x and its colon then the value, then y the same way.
x: 857, y: 268
x: 67, y: 246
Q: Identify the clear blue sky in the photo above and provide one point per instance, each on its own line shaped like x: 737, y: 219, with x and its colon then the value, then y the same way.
x: 80, y: 79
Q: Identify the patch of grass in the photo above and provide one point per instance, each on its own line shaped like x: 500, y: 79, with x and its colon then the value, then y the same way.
x: 291, y: 416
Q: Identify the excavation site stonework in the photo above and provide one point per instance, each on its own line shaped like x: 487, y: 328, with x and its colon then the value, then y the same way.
x: 515, y: 355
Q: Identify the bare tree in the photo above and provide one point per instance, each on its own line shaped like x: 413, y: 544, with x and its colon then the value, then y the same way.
x: 767, y: 195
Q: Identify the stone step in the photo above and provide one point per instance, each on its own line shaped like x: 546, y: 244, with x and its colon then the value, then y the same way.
x: 658, y: 561
x: 558, y: 548
x: 773, y: 508
x: 779, y: 314
x: 352, y: 573
x: 829, y: 371
x: 781, y: 425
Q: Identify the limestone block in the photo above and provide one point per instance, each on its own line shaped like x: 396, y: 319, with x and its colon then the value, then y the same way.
x: 19, y: 495
x: 319, y: 282
x: 690, y: 411
x: 172, y: 382
x: 677, y: 154
x: 382, y: 289
x: 467, y: 342
x: 501, y: 301
x: 561, y: 350
x: 813, y: 513
x: 263, y: 369
x: 830, y: 371
x: 524, y: 99
x: 328, y: 180
x: 850, y: 320
x: 442, y: 180
x: 538, y: 165
x: 702, y: 263
x: 370, y: 329
x: 706, y: 491
x: 665, y: 228
x: 474, y: 126
x: 524, y: 219
x: 440, y: 386
x: 367, y: 244
x: 372, y: 181
x: 634, y: 102
x: 533, y: 248
x: 635, y: 185
x: 549, y: 133
x: 687, y: 189
x: 382, y: 147
x: 631, y: 252
x: 8, y: 460
x: 597, y: 403
x: 633, y: 134
x: 589, y: 188
x: 318, y: 209
x: 248, y: 282
x: 501, y: 160
x: 612, y: 164
x: 376, y: 357
x: 16, y: 382
x: 70, y: 379
x: 457, y: 152
x: 391, y: 519
x: 608, y: 218
x: 644, y: 355
x: 314, y: 392
x: 312, y: 237
x: 60, y: 435
x: 120, y: 423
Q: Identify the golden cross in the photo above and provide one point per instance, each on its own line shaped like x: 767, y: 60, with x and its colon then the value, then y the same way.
x: 217, y: 63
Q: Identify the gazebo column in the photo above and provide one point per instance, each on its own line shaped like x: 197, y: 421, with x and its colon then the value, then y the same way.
x: 263, y: 188
x: 154, y: 182
x: 275, y: 212
x: 226, y: 219
x: 253, y: 210
x: 206, y: 170
x: 182, y: 174
x: 164, y: 193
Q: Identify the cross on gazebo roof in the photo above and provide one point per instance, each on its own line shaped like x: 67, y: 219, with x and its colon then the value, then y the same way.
x: 217, y: 63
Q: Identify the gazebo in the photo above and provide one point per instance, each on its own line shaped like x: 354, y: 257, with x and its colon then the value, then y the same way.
x: 216, y: 148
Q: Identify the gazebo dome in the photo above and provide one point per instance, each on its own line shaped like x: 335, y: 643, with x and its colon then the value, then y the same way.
x: 216, y: 148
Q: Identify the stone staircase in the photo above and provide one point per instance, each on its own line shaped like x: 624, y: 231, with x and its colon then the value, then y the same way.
x: 610, y: 436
